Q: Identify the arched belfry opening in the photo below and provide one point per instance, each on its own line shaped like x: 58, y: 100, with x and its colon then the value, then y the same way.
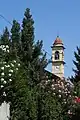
x: 57, y: 55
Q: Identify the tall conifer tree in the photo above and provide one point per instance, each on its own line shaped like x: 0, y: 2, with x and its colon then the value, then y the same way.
x: 32, y: 57
x: 76, y: 78
x: 27, y: 38
x: 5, y: 37
x: 76, y: 81
x: 15, y: 39
x: 77, y: 65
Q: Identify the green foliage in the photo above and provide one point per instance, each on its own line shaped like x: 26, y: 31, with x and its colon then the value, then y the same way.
x: 31, y: 53
x: 15, y: 30
x: 15, y: 40
x: 76, y: 81
x: 22, y: 91
x: 30, y: 96
x: 76, y: 78
x: 23, y: 104
x: 5, y: 37
x: 27, y: 37
x: 48, y: 107
x: 77, y: 65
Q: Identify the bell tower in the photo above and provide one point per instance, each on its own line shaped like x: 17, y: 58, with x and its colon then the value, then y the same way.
x: 58, y: 57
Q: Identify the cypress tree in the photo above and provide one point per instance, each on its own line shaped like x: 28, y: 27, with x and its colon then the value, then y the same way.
x: 31, y: 53
x: 27, y: 37
x: 5, y: 37
x: 76, y: 81
x: 77, y: 65
x: 76, y: 78
x: 15, y: 39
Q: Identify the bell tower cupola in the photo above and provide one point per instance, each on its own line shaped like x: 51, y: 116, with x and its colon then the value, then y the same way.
x: 58, y: 57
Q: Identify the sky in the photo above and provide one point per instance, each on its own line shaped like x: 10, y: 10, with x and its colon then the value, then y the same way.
x: 51, y: 17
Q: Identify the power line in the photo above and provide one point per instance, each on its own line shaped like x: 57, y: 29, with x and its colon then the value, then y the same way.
x: 50, y: 60
x: 47, y: 53
x: 11, y: 24
x: 5, y: 19
x: 51, y: 56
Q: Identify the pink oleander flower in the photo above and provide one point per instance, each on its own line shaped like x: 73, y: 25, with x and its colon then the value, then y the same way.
x: 77, y: 100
